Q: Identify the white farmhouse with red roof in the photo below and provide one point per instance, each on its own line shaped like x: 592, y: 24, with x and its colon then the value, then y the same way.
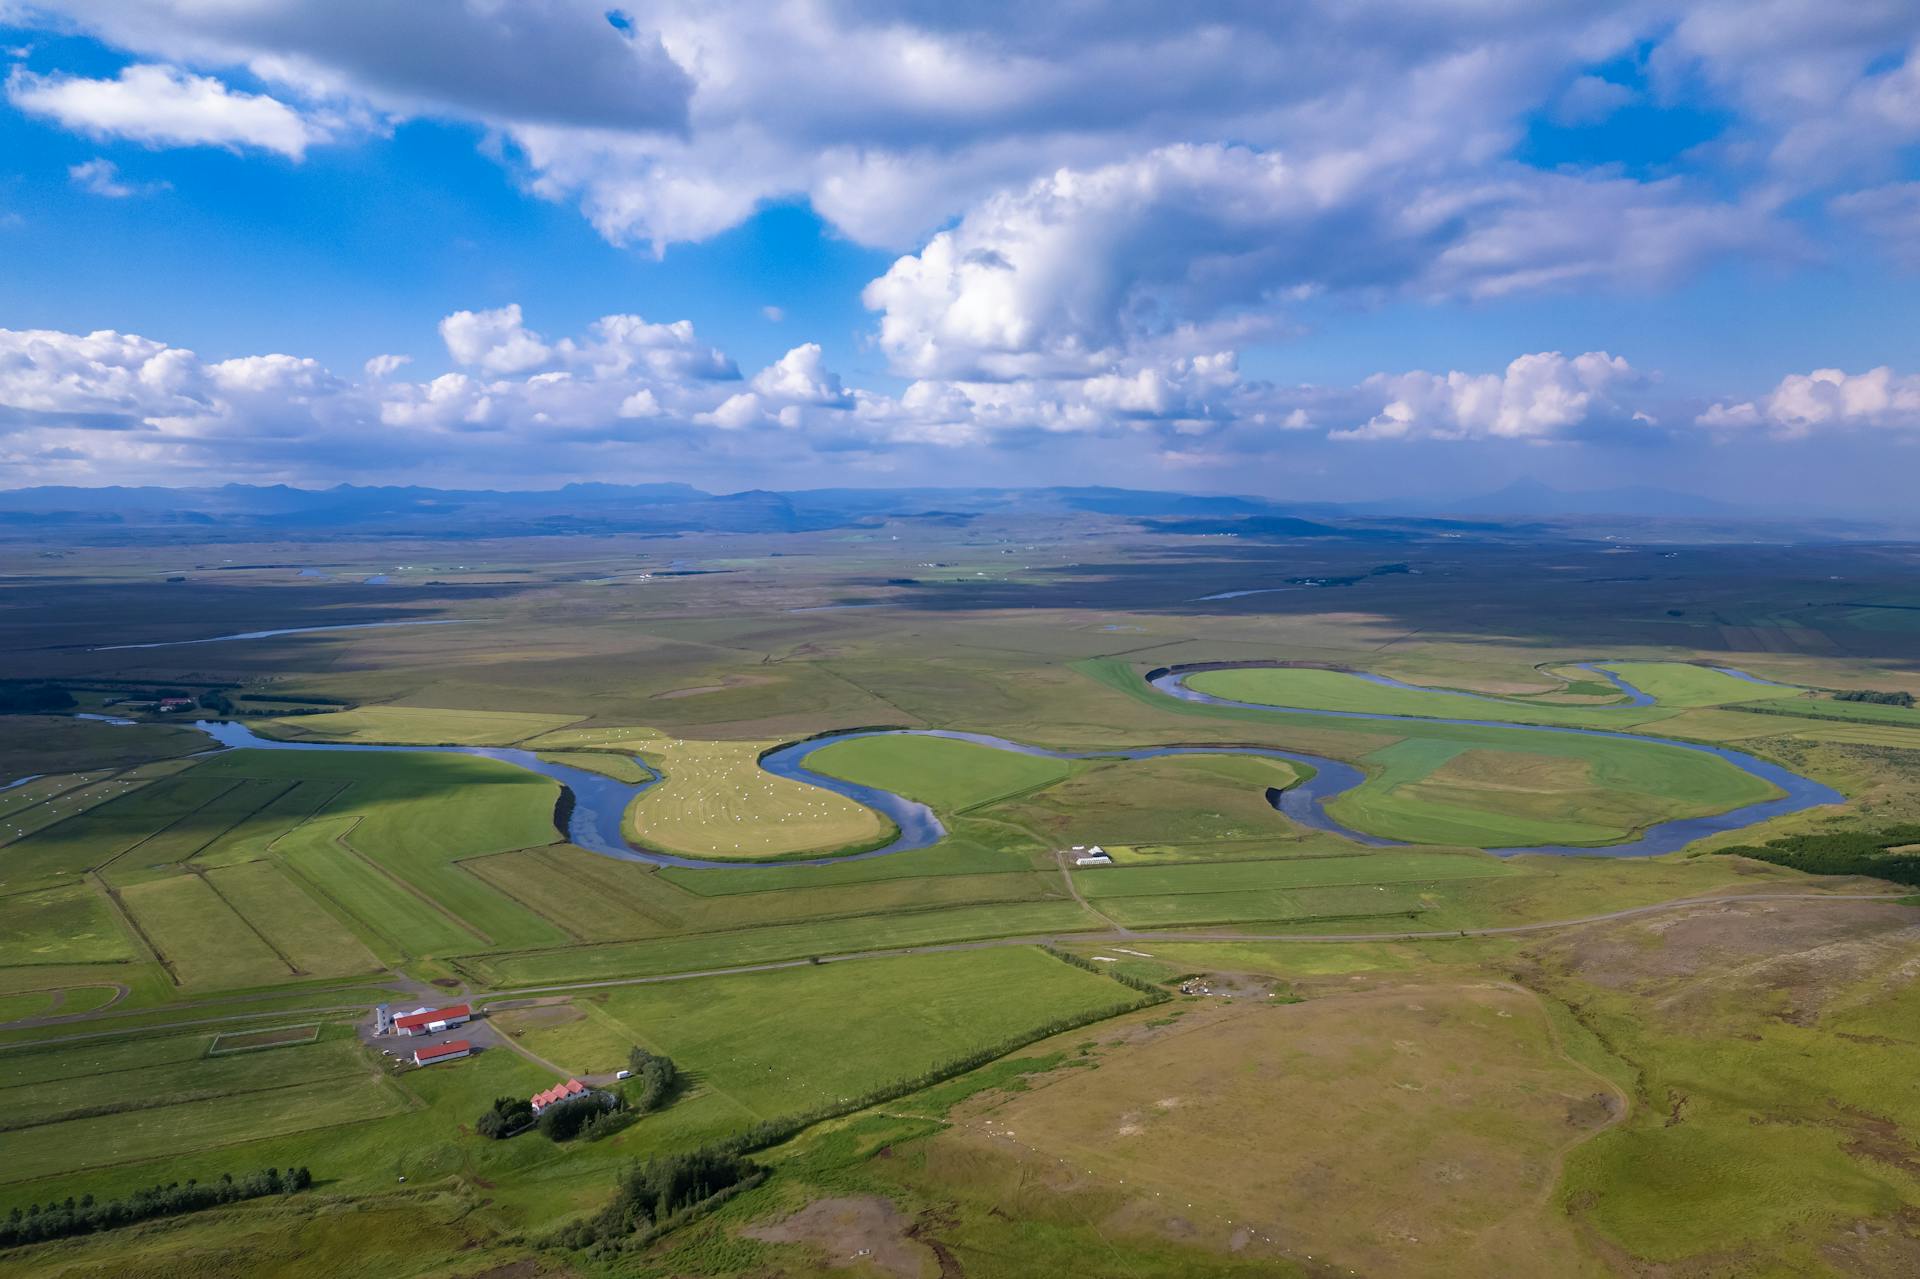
x: 558, y: 1093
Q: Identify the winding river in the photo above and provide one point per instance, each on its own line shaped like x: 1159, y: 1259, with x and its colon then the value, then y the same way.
x: 598, y: 817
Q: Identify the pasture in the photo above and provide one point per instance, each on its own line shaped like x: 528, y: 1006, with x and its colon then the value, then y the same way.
x: 68, y: 924
x: 716, y: 801
x: 1310, y: 689
x: 951, y: 776
x: 1173, y: 804
x: 417, y: 726
x: 1440, y: 788
x: 786, y: 1041
x: 1685, y: 684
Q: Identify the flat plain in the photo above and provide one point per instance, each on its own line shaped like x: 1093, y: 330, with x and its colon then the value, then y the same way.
x: 1408, y: 1060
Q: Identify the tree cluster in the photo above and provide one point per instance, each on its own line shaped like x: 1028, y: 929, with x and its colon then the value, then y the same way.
x: 508, y: 1116
x: 653, y: 1193
x: 1875, y: 696
x: 655, y: 1078
x: 34, y: 699
x: 86, y: 1215
x: 565, y: 1120
x: 1856, y: 852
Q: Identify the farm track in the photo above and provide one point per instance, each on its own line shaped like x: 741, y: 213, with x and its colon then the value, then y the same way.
x: 1094, y: 936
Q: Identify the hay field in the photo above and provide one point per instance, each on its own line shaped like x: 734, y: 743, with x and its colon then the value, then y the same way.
x: 717, y: 801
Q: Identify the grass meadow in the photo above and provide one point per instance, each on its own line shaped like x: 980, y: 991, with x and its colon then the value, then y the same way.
x: 951, y: 776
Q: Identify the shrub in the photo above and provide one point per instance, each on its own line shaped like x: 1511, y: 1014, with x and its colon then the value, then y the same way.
x: 508, y: 1116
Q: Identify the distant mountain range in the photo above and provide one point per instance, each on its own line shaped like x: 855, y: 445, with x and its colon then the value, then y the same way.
x: 237, y: 511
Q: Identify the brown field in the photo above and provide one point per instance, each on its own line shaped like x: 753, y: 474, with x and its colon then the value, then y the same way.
x: 1416, y: 1129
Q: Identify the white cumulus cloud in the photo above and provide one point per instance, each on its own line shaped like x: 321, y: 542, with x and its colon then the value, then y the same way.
x: 1803, y: 404
x: 166, y: 106
x: 1538, y: 397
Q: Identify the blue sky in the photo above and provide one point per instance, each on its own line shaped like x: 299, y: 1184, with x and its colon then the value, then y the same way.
x: 1343, y: 250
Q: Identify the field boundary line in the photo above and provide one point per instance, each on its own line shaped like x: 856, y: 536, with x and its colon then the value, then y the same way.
x: 235, y: 823
x: 403, y: 884
x: 384, y: 949
x: 224, y: 1145
x: 293, y: 969
x: 139, y: 1107
x: 156, y: 833
x: 132, y: 925
x: 485, y: 995
x: 166, y: 1028
x: 515, y: 898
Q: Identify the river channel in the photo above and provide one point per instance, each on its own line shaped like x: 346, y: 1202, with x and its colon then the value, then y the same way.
x: 597, y: 821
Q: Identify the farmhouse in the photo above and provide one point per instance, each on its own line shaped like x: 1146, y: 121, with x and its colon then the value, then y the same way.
x: 431, y: 1021
x: 176, y: 703
x: 1091, y: 856
x: 452, y: 1050
x: 568, y: 1091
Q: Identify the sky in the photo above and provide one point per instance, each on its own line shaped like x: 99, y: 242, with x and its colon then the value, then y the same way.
x: 1325, y: 250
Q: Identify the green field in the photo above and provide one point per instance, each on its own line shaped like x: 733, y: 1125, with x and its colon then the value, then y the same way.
x: 951, y: 776
x: 292, y: 921
x: 419, y: 725
x: 1683, y: 684
x: 71, y: 924
x: 1569, y: 790
x: 1323, y: 690
x: 782, y: 942
x: 200, y: 936
x: 820, y: 1034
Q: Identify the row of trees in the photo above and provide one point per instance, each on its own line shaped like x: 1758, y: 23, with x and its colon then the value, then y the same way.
x: 86, y: 1215
x: 1856, y: 852
x: 1875, y: 696
x: 658, y: 1193
x: 34, y: 699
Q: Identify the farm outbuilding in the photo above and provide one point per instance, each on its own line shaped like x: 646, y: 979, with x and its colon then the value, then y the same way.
x: 453, y: 1050
x: 431, y: 1021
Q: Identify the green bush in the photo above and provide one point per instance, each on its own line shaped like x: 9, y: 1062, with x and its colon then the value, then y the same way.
x: 655, y: 1079
x: 508, y: 1116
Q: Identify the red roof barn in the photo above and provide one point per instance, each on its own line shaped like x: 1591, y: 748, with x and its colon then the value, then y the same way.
x: 430, y: 1021
x: 450, y: 1051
